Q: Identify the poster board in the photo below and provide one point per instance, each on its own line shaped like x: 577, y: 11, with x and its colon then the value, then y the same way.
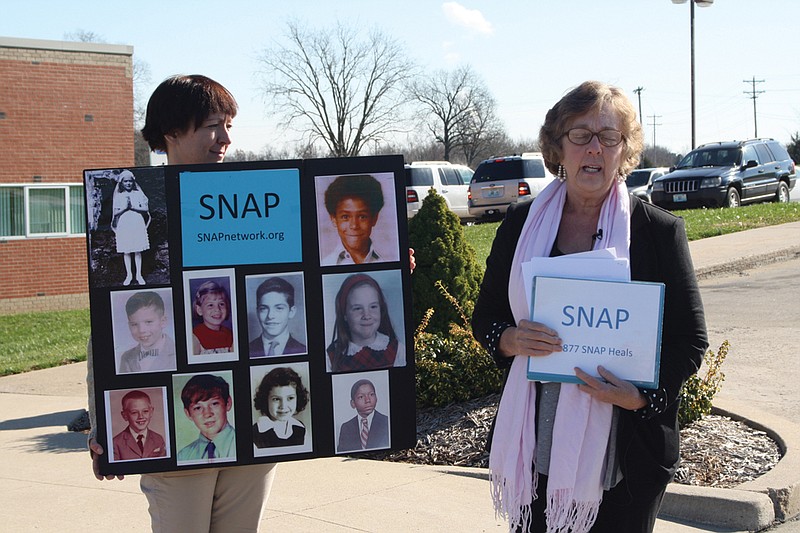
x: 238, y: 286
x: 614, y: 324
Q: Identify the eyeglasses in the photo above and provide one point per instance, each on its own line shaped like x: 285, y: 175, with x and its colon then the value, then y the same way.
x: 581, y: 136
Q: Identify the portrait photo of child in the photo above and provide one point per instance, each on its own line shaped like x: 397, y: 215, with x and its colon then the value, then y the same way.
x: 357, y: 219
x: 137, y: 424
x: 204, y: 431
x: 364, y: 321
x: 361, y: 411
x: 281, y: 409
x: 210, y: 303
x: 143, y: 331
x: 276, y: 315
x: 127, y: 225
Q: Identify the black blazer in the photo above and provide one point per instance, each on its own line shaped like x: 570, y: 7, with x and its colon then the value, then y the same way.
x: 647, y: 449
x: 292, y: 347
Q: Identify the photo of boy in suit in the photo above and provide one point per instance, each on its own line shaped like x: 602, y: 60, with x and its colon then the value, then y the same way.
x: 137, y: 440
x: 275, y: 309
x: 369, y: 429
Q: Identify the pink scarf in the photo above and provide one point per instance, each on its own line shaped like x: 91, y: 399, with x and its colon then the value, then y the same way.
x: 582, y: 424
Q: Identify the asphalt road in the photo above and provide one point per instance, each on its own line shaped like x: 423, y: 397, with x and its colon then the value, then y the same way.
x: 758, y: 312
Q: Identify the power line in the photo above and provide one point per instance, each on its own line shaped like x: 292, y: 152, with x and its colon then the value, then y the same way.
x: 754, y: 95
x: 654, y: 124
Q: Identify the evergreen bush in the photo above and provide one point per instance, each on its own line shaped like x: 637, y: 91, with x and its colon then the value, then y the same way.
x: 452, y: 367
x: 442, y: 254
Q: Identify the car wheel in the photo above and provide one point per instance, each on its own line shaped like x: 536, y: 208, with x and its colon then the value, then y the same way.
x: 732, y: 199
x: 782, y: 194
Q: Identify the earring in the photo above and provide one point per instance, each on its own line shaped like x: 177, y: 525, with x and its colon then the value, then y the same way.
x: 620, y: 176
x: 562, y: 174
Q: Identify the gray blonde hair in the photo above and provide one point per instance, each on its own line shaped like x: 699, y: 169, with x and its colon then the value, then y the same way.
x: 586, y: 97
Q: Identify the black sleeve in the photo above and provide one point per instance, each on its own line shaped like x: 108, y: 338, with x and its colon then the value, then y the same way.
x: 492, y: 312
x: 684, y: 339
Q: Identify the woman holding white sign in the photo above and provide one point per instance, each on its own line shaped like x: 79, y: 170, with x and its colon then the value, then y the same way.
x: 595, y: 456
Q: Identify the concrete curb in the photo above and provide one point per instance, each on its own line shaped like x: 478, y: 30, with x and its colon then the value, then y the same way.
x: 754, y: 505
x: 747, y: 262
x: 751, y: 506
x: 720, y: 508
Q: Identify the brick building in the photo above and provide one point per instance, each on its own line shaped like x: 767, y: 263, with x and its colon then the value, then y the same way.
x: 64, y: 107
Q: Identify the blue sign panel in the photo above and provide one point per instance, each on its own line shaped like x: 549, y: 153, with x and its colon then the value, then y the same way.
x: 241, y: 217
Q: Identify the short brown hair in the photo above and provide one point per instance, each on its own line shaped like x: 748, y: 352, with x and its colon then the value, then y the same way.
x: 183, y: 102
x: 203, y: 387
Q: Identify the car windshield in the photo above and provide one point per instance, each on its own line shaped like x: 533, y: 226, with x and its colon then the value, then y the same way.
x: 711, y: 157
x: 637, y: 178
x: 509, y: 170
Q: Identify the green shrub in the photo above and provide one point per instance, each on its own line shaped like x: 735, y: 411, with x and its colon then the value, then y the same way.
x: 452, y: 367
x: 442, y: 254
x: 698, y: 392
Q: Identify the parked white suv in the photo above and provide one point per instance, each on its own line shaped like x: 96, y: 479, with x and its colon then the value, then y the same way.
x: 501, y: 181
x: 449, y: 180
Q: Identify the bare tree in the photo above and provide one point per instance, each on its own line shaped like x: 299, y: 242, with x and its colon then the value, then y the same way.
x: 140, y: 73
x: 84, y: 36
x: 336, y: 87
x: 459, y: 107
x: 480, y: 132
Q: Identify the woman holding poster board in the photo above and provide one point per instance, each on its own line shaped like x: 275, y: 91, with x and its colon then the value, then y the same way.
x: 595, y: 456
x: 190, y: 117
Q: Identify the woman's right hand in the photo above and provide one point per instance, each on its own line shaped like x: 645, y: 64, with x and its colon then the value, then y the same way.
x: 95, y: 450
x: 529, y: 339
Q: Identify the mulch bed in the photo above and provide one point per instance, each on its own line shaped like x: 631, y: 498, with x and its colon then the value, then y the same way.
x: 715, y: 451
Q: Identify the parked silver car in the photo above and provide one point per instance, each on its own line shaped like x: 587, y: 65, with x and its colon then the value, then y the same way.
x: 501, y: 181
x: 640, y: 181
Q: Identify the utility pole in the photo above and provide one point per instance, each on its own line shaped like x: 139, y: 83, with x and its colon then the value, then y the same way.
x: 638, y: 92
x: 654, y: 124
x: 754, y: 95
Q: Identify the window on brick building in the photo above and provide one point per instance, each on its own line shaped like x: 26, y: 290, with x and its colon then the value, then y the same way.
x: 41, y: 210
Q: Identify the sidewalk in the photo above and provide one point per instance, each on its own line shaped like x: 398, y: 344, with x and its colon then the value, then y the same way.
x: 46, y: 482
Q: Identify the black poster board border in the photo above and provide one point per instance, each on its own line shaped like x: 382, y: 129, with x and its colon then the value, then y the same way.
x: 167, y: 270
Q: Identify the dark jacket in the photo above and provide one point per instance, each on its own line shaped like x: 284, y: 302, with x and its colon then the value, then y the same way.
x: 126, y: 447
x: 293, y: 347
x: 350, y: 434
x: 659, y: 252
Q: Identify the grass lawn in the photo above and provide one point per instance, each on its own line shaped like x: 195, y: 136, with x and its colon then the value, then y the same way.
x: 32, y: 341
x: 700, y: 223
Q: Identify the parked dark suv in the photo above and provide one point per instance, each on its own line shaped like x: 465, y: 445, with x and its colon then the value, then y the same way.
x: 728, y: 174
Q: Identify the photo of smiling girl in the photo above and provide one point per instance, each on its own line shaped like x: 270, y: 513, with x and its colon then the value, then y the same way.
x: 210, y: 300
x: 281, y: 409
x: 364, y: 320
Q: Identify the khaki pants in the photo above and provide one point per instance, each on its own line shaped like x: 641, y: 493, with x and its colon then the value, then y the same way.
x: 214, y: 500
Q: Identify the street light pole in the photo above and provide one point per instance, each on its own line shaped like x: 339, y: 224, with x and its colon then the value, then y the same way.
x: 701, y: 3
x: 691, y: 29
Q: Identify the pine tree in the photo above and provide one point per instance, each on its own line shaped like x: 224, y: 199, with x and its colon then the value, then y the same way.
x: 442, y: 253
x: 794, y: 147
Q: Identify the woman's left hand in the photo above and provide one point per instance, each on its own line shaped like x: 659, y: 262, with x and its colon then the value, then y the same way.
x: 613, y: 390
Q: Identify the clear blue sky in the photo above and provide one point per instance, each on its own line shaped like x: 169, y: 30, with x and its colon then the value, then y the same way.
x: 528, y: 52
